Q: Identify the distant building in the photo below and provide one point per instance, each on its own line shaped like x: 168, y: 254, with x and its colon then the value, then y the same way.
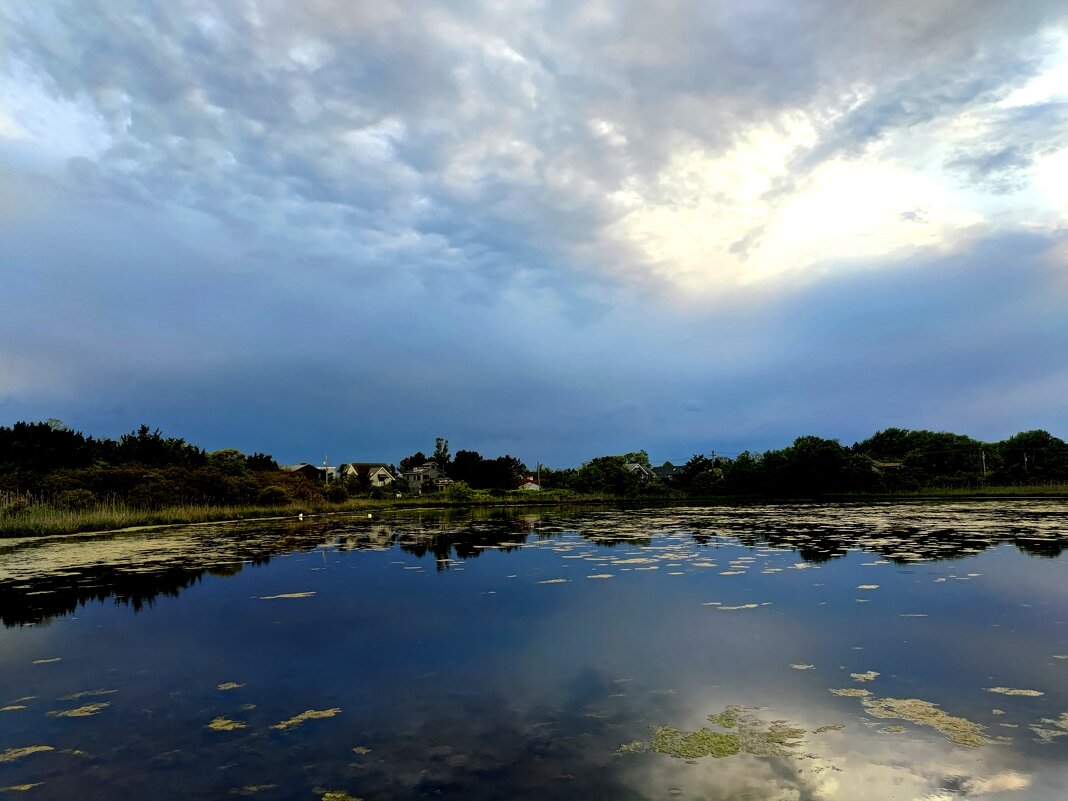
x: 311, y: 472
x: 667, y: 471
x: 423, y: 477
x: 529, y: 484
x: 639, y: 471
x: 373, y: 474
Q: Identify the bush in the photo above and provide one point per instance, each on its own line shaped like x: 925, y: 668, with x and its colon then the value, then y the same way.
x: 336, y: 493
x: 75, y: 499
x: 273, y: 496
x: 13, y: 506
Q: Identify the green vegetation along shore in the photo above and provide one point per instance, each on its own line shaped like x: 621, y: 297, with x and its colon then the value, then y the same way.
x: 54, y: 480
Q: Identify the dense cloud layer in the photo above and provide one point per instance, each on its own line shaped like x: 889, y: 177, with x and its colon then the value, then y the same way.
x: 547, y: 228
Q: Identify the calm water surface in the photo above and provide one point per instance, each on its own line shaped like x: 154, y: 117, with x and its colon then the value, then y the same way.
x: 569, y: 655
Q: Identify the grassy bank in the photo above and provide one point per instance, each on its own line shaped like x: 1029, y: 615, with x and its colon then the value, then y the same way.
x: 42, y: 519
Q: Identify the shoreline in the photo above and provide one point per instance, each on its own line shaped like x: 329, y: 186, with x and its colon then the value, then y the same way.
x: 67, y: 523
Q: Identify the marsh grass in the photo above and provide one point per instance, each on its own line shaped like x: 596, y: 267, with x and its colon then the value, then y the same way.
x: 38, y: 519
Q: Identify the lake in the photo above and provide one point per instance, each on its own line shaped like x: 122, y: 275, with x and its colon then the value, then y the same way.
x: 802, y: 651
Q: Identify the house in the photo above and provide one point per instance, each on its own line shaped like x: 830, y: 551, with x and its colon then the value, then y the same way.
x: 311, y: 472
x: 639, y: 471
x: 423, y: 477
x: 668, y: 472
x: 372, y: 474
x: 529, y: 484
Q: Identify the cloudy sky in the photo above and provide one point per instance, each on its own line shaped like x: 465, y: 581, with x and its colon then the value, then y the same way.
x: 546, y: 228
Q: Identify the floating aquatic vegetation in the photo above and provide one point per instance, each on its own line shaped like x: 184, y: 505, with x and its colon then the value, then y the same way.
x: 600, y: 576
x: 747, y: 734
x: 361, y: 750
x: 12, y: 707
x: 636, y: 747
x: 19, y: 788
x: 252, y: 789
x: 554, y: 581
x: 225, y: 724
x: 311, y: 714
x: 870, y: 675
x: 896, y: 729
x: 801, y: 666
x: 958, y: 730
x: 852, y: 692
x: 694, y: 745
x: 229, y: 685
x: 339, y: 795
x: 286, y: 595
x: 88, y: 710
x: 1014, y: 691
x: 733, y: 608
x: 87, y: 694
x: 997, y: 711
x: 731, y: 572
x: 829, y: 727
x: 11, y: 754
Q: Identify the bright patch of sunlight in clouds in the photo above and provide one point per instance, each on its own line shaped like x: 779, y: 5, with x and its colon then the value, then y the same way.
x: 709, y: 223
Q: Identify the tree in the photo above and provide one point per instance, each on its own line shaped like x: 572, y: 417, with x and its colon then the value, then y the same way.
x: 441, y: 453
x: 416, y: 459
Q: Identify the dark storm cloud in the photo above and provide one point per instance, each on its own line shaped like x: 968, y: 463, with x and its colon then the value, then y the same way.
x: 305, y: 227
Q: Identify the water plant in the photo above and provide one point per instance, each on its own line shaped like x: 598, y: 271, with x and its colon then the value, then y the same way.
x: 745, y: 733
x: 311, y: 714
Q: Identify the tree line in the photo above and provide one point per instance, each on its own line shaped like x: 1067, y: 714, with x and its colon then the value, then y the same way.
x: 146, y: 469
x: 895, y: 460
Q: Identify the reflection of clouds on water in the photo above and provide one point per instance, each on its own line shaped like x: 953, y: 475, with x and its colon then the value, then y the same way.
x: 500, y: 667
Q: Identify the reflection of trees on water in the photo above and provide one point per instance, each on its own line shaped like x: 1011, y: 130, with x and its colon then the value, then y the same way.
x: 43, y: 597
x: 454, y: 536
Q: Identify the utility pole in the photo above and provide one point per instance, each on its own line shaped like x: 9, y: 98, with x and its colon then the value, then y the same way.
x: 982, y: 453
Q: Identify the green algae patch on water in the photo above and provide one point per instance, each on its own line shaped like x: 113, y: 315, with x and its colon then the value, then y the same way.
x: 801, y: 666
x: 829, y: 727
x: 19, y: 788
x: 1014, y: 691
x: 870, y: 675
x: 958, y: 730
x: 852, y: 692
x: 694, y: 745
x: 88, y: 710
x: 311, y: 714
x: 229, y: 685
x: 747, y: 734
x: 11, y: 754
x: 12, y: 707
x: 87, y: 694
x: 361, y: 750
x: 225, y: 724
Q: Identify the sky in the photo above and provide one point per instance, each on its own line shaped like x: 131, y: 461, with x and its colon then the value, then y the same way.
x: 550, y: 229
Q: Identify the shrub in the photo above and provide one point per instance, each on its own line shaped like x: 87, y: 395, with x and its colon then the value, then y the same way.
x: 13, y: 505
x: 75, y: 499
x: 336, y: 493
x: 273, y: 496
